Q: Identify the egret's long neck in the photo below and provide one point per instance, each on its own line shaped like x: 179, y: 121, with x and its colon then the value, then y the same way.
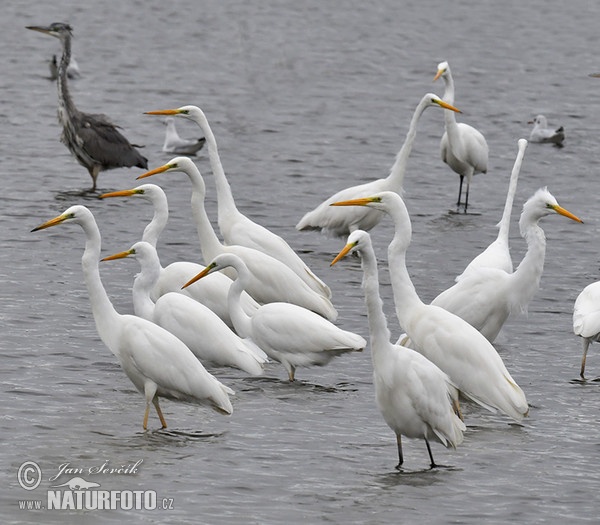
x: 448, y: 88
x: 225, y: 199
x: 510, y: 196
x: 209, y: 242
x: 104, y: 312
x: 240, y: 319
x: 405, y: 295
x: 144, y: 283
x: 159, y: 220
x: 396, y: 176
x: 529, y: 272
x: 449, y: 116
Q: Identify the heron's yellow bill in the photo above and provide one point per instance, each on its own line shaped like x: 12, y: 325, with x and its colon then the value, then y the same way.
x: 345, y: 250
x: 52, y: 222
x: 445, y: 105
x: 164, y: 112
x: 364, y: 201
x: 439, y: 73
x: 203, y: 273
x: 121, y: 193
x: 120, y: 255
x: 161, y: 169
x: 566, y: 213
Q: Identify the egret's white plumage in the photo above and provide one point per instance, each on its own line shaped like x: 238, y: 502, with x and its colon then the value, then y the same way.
x: 414, y: 396
x: 468, y: 358
x: 175, y: 144
x: 485, y: 296
x: 289, y: 334
x: 210, y: 292
x: 235, y: 227
x: 270, y: 279
x: 203, y: 331
x: 543, y: 134
x: 156, y: 362
x: 497, y: 254
x: 341, y: 221
x: 462, y: 147
x: 586, y: 318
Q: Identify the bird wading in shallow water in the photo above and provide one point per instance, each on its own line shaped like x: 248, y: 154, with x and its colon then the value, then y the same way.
x: 415, y: 397
x: 287, y: 333
x: 341, y: 221
x: 156, y: 362
x: 462, y: 147
x: 457, y: 348
x: 91, y: 138
x: 586, y: 319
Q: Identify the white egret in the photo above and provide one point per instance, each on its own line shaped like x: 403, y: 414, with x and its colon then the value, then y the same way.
x: 543, y: 134
x: 175, y: 144
x: 202, y: 330
x: 414, y: 396
x: 288, y: 333
x: 156, y: 362
x: 235, y: 227
x: 486, y: 296
x: 586, y: 318
x: 468, y: 358
x: 341, y: 221
x: 210, y: 292
x: 497, y: 254
x: 271, y: 280
x: 462, y: 147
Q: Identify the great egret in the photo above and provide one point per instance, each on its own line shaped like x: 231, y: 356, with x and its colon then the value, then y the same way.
x: 586, y: 318
x: 462, y: 147
x: 156, y: 362
x: 485, y: 296
x: 202, y: 330
x: 175, y: 144
x: 468, y: 358
x: 210, y: 292
x: 235, y: 227
x: 271, y: 280
x: 92, y: 139
x: 288, y: 333
x: 497, y: 254
x: 413, y: 395
x: 341, y: 221
x: 543, y: 134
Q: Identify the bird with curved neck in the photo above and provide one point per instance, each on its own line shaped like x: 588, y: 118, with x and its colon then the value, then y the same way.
x: 414, y: 396
x: 457, y: 348
x: 290, y: 334
x: 486, y: 296
x: 271, y: 280
x: 92, y: 139
x: 235, y: 227
x: 339, y: 221
x: 156, y: 362
x: 586, y: 319
x: 202, y: 330
x: 462, y: 147
x: 210, y: 292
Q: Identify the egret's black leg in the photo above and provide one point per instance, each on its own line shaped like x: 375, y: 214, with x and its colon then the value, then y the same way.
x: 460, y: 190
x: 400, y: 456
x: 433, y: 465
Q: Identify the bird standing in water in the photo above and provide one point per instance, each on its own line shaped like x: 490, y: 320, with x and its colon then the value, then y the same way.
x: 92, y: 138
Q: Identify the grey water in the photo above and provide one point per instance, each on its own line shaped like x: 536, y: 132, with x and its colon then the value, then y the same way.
x: 304, y: 98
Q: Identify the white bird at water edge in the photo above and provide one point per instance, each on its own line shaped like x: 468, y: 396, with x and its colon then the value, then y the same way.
x: 541, y: 133
x: 156, y: 362
x: 175, y: 144
x: 586, y: 319
x: 415, y: 397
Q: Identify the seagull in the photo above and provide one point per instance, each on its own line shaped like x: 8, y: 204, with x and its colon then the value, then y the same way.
x: 175, y: 144
x: 542, y: 134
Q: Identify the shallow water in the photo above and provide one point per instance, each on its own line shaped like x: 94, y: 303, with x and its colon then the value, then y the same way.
x: 305, y: 98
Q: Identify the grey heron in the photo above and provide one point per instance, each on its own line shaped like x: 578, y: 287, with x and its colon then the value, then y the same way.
x: 92, y: 138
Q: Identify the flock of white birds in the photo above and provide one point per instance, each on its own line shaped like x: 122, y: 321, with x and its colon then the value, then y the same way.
x: 256, y: 301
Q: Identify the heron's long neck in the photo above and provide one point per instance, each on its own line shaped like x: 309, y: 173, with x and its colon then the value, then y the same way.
x: 405, y: 295
x: 144, y: 283
x: 450, y: 116
x: 209, y: 242
x: 378, y: 328
x: 225, y: 200
x: 156, y: 226
x: 240, y: 319
x: 449, y: 88
x: 529, y: 272
x: 510, y: 196
x: 103, y: 310
x: 65, y: 104
x: 396, y: 176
